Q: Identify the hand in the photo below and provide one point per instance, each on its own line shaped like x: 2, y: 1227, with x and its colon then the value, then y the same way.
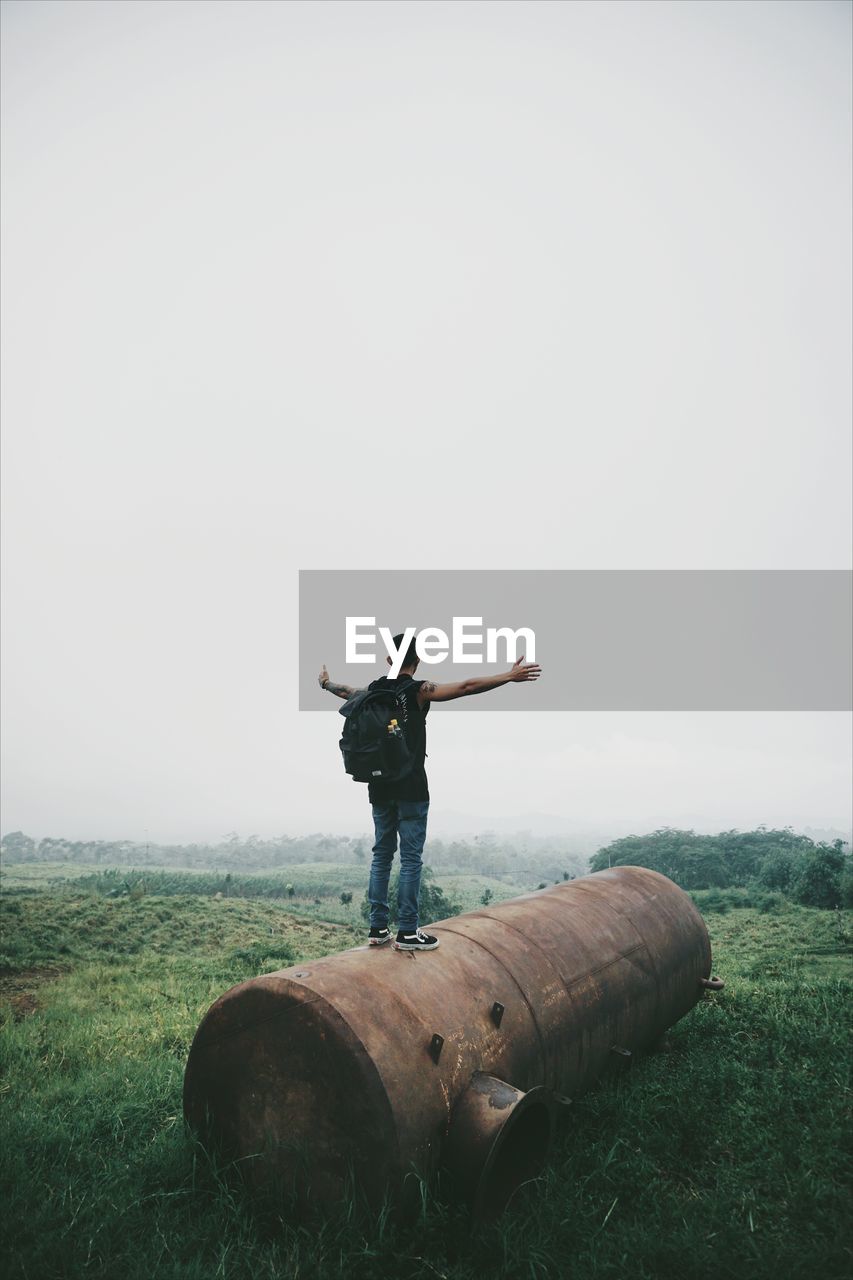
x: 522, y: 670
x: 323, y: 676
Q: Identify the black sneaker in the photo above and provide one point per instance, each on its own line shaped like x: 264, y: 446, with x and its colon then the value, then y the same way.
x: 417, y: 941
x: 378, y: 937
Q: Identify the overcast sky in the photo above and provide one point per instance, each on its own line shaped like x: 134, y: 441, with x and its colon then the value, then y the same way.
x: 440, y: 285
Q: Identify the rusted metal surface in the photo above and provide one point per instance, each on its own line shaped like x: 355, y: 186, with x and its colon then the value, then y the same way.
x: 372, y: 1062
x: 497, y: 1140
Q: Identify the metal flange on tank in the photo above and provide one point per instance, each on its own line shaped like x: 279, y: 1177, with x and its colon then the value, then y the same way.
x: 498, y: 1140
x: 381, y: 1065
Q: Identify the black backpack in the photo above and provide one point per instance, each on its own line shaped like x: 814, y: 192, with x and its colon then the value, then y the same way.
x: 373, y: 751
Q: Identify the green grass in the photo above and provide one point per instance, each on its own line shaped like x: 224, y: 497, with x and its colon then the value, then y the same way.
x: 317, y: 886
x: 40, y: 875
x: 468, y: 890
x: 722, y: 1156
x: 308, y: 879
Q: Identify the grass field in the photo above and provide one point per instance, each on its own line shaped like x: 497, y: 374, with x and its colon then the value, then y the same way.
x: 309, y: 879
x: 724, y: 1156
x: 316, y: 886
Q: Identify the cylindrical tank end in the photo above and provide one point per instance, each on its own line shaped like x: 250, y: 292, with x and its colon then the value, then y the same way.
x: 498, y: 1139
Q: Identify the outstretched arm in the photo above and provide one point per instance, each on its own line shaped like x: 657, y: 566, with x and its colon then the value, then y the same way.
x: 521, y: 671
x: 339, y: 690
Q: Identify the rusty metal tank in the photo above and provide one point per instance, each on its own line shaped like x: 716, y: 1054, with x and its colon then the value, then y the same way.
x: 381, y: 1065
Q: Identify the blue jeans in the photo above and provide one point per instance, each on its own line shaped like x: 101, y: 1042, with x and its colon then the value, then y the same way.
x: 409, y: 817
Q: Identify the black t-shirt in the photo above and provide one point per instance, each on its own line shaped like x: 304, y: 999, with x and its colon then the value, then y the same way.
x: 412, y: 720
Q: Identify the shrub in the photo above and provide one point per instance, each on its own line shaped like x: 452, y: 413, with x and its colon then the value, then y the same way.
x: 847, y: 884
x: 263, y: 956
x: 818, y: 881
x: 711, y: 900
x: 777, y: 870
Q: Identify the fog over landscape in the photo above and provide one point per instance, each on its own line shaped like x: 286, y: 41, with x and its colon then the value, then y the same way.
x: 407, y: 286
x: 299, y: 292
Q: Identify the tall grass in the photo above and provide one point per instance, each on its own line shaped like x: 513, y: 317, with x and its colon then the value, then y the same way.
x: 320, y: 882
x: 722, y: 1156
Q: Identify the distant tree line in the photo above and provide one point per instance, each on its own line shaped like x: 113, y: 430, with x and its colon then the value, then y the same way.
x: 232, y: 851
x: 520, y: 858
x: 816, y: 874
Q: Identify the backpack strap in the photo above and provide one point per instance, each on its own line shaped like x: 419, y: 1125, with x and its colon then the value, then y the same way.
x: 358, y: 699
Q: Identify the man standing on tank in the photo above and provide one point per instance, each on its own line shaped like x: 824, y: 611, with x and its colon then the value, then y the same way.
x: 401, y: 808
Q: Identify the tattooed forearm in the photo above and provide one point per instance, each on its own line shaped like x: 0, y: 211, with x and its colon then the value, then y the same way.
x: 340, y: 690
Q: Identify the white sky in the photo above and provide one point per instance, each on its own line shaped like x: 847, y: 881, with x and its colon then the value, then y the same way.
x: 432, y: 285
